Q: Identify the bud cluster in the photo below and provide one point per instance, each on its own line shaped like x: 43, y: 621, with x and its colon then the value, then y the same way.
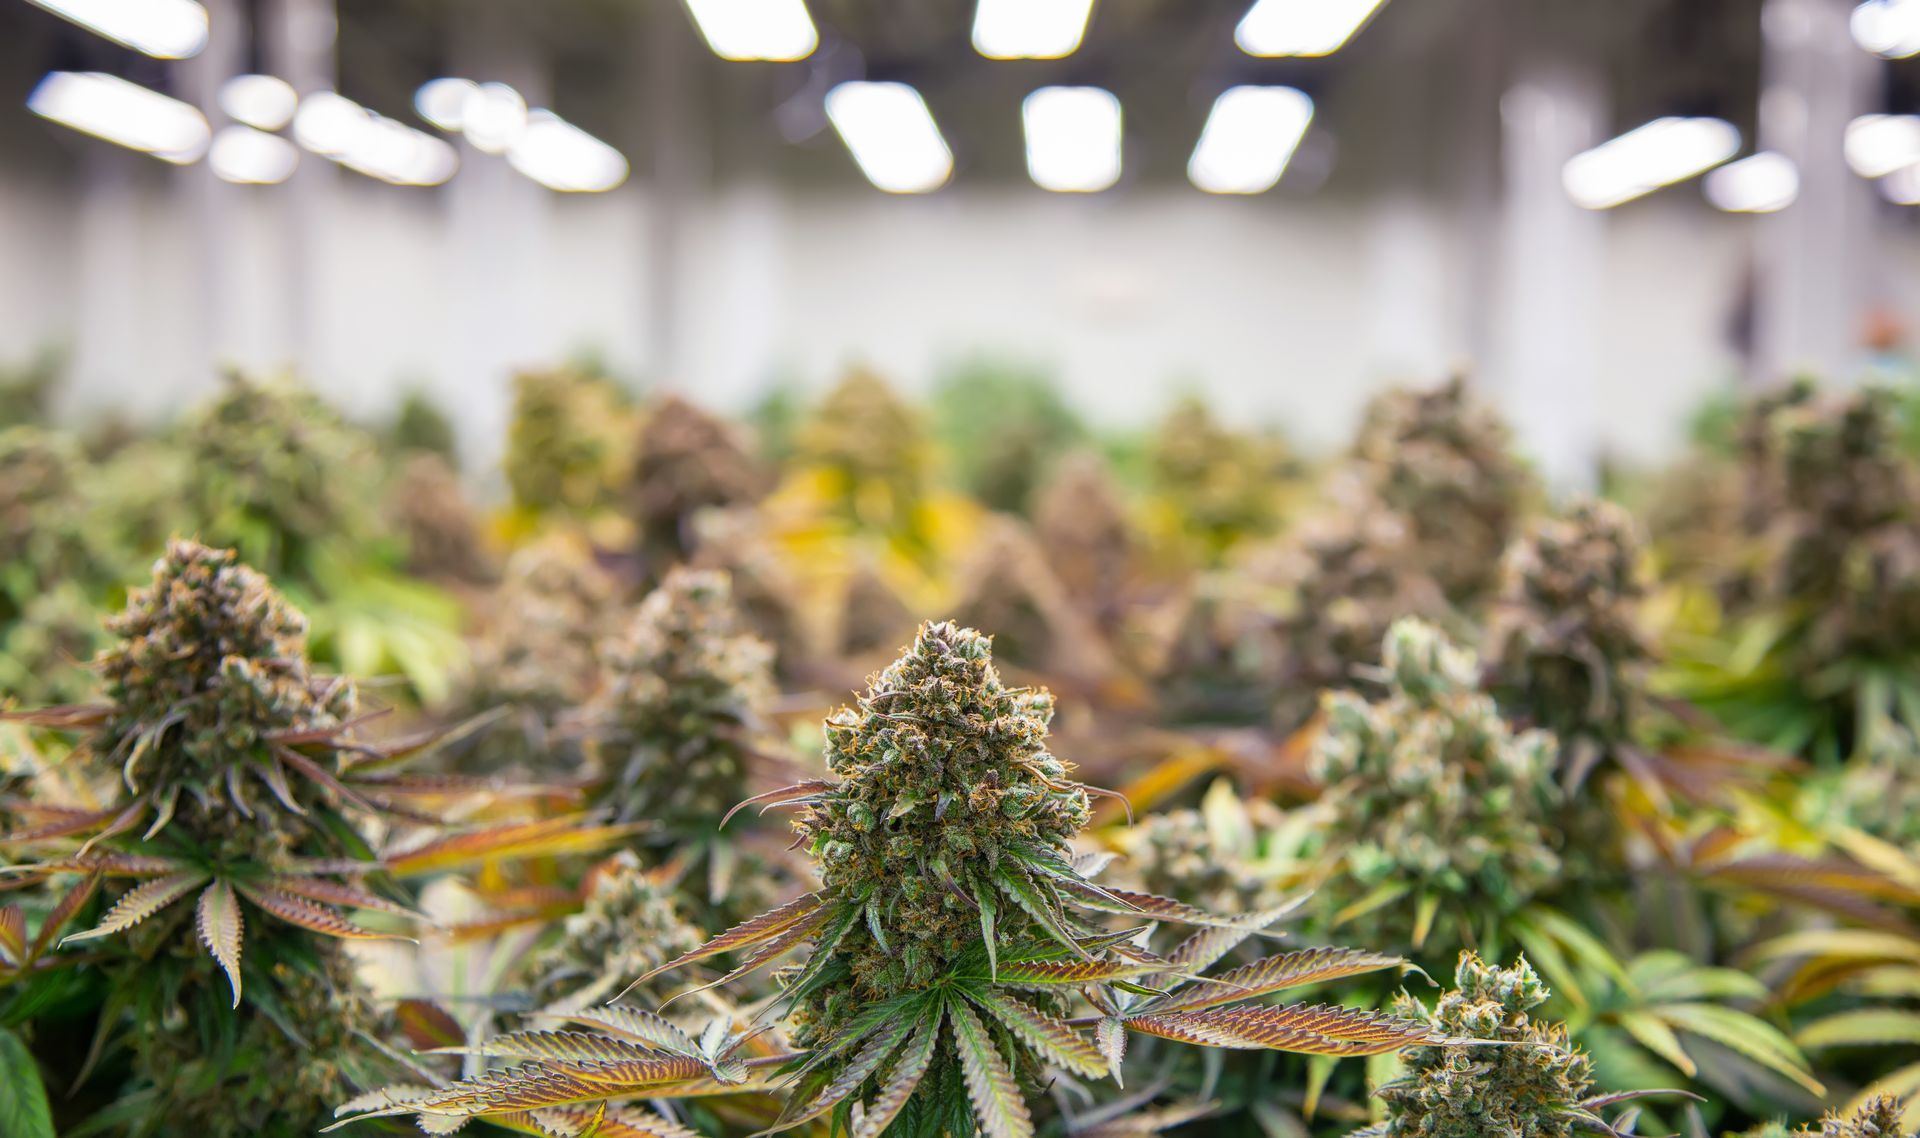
x: 630, y: 925
x: 688, y: 461
x: 567, y: 441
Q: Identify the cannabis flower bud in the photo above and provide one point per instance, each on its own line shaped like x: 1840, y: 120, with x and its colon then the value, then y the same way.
x: 1567, y: 651
x: 688, y: 461
x: 685, y: 692
x: 1445, y: 464
x: 567, y: 441
x: 1881, y: 1116
x: 428, y: 508
x: 1215, y: 858
x: 43, y: 539
x: 944, y: 783
x: 1430, y: 791
x: 873, y: 446
x: 1010, y: 587
x: 1223, y: 484
x: 1080, y: 518
x: 1535, y: 1090
x: 629, y: 925
x: 209, y: 669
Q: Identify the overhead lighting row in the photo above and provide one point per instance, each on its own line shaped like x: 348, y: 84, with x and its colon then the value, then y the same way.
x: 1074, y: 138
x: 782, y: 31
x: 495, y: 119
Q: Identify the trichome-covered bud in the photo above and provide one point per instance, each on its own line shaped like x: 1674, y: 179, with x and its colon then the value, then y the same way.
x: 1080, y: 518
x: 429, y: 511
x: 1566, y: 649
x: 568, y: 442
x: 1430, y: 791
x: 1445, y: 464
x: 688, y: 461
x: 683, y: 698
x: 944, y: 784
x: 1219, y: 857
x: 1536, y: 1084
x: 872, y: 446
x: 536, y: 659
x: 630, y: 924
x: 1224, y: 485
x: 209, y: 667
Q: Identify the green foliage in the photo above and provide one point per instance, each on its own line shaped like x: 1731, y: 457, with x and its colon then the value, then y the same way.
x: 24, y: 1112
x: 1440, y: 812
x: 1002, y: 427
x: 567, y: 443
x: 429, y: 511
x: 1080, y: 519
x: 1223, y: 485
x: 421, y: 424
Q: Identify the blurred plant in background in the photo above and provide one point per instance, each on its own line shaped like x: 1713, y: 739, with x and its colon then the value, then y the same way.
x: 567, y: 443
x: 1002, y: 427
x: 687, y: 461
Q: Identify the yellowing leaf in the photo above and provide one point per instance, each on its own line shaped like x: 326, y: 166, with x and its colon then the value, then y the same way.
x: 141, y: 902
x: 218, y: 919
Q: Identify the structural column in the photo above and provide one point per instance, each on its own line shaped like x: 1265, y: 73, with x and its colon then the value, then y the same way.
x: 211, y: 202
x: 299, y: 43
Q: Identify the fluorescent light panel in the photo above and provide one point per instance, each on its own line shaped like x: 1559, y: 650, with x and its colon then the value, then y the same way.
x: 775, y: 30
x: 261, y: 101
x: 1877, y: 145
x: 1250, y: 136
x: 891, y: 135
x: 337, y: 128
x: 443, y: 102
x: 164, y: 29
x: 493, y: 118
x: 561, y: 156
x: 130, y: 115
x: 1073, y: 138
x: 1302, y: 27
x: 1902, y: 187
x: 1029, y: 29
x: 1889, y: 28
x: 1759, y: 183
x: 252, y: 157
x: 1660, y: 153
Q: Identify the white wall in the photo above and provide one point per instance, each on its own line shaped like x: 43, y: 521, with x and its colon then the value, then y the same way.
x: 1283, y: 311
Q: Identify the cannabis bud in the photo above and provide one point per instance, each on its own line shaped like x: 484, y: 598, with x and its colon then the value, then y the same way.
x: 944, y: 776
x: 567, y: 441
x: 685, y: 692
x: 1538, y: 1089
x: 429, y: 510
x: 629, y: 925
x: 1881, y: 1116
x: 1080, y: 518
x: 1429, y: 790
x: 688, y: 461
x: 1215, y: 858
x: 1009, y: 586
x: 1223, y: 483
x: 873, y: 446
x: 1445, y: 464
x: 43, y: 539
x: 1567, y: 651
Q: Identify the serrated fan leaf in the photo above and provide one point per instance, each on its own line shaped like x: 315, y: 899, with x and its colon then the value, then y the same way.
x: 221, y: 930
x: 997, y: 1103
x: 847, y: 1079
x: 1861, y: 1027
x: 532, y: 1086
x: 1111, y: 1036
x: 543, y: 838
x: 63, y: 912
x: 59, y: 824
x: 304, y: 913
x: 642, y: 1027
x: 1750, y: 1036
x: 903, y: 1080
x: 393, y: 1095
x: 13, y: 936
x: 1317, y: 1030
x: 628, y: 1123
x: 338, y: 893
x: 1056, y: 1042
x: 753, y: 931
x: 141, y: 902
x: 1027, y: 894
x: 117, y: 865
x: 1147, y: 906
x: 1276, y: 974
x: 441, y: 1124
x: 1209, y: 944
x: 1044, y: 974
x: 555, y: 1046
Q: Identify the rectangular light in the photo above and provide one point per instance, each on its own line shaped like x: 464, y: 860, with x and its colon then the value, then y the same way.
x: 1302, y: 27
x: 774, y: 30
x: 252, y: 157
x: 1073, y: 138
x: 1759, y: 183
x: 891, y: 135
x: 561, y: 156
x: 109, y: 107
x: 1029, y: 29
x: 337, y: 128
x: 1250, y: 136
x: 1660, y: 153
x: 164, y: 29
x: 1877, y: 145
x: 1888, y: 28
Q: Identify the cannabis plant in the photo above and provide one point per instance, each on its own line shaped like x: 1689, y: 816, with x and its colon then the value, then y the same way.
x: 873, y: 616
x: 1222, y: 857
x: 629, y: 925
x: 1007, y: 584
x: 232, y: 764
x: 44, y: 536
x: 45, y: 649
x: 1441, y: 814
x: 1002, y: 427
x: 688, y: 461
x: 1220, y: 659
x: 1531, y: 1084
x: 1566, y: 649
x: 873, y: 450
x: 1080, y: 519
x: 950, y: 940
x: 420, y: 424
x: 765, y: 589
x: 429, y: 511
x: 1445, y: 464
x: 536, y: 660
x: 567, y: 443
x: 1821, y: 655
x: 1220, y: 484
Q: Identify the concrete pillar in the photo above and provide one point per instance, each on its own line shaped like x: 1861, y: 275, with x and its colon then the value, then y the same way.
x: 211, y: 204
x: 299, y: 46
x: 1814, y: 259
x: 1550, y: 261
x: 675, y: 163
